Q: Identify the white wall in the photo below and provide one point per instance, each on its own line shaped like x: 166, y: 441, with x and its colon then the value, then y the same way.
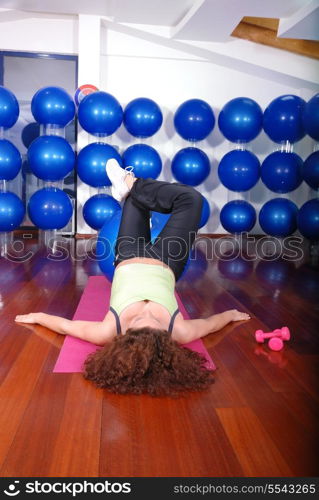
x: 40, y: 33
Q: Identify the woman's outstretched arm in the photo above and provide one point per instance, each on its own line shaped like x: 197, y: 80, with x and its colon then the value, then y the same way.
x: 187, y: 330
x: 97, y: 332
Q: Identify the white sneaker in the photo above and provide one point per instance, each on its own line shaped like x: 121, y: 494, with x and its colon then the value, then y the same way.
x: 117, y: 175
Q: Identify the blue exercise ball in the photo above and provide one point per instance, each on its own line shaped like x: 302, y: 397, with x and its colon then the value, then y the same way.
x: 29, y: 133
x: 240, y: 120
x: 158, y: 221
x: 239, y: 170
x: 311, y: 170
x: 91, y: 163
x: 100, y: 113
x: 53, y: 106
x: 50, y: 208
x: 205, y: 213
x: 144, y: 159
x: 311, y: 117
x: 308, y: 219
x: 51, y: 158
x: 190, y: 166
x: 194, y: 120
x: 12, y: 211
x: 238, y: 216
x: 105, y: 246
x: 10, y: 160
x: 142, y: 117
x: 99, y: 209
x: 278, y: 217
x: 283, y: 119
x: 9, y: 108
x: 281, y: 172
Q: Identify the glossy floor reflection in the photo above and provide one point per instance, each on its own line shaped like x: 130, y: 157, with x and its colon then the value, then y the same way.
x: 260, y: 418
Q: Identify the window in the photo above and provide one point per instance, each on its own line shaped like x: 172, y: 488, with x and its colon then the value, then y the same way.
x: 24, y: 74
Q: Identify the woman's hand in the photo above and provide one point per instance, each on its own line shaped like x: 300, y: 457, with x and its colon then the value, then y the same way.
x: 27, y: 318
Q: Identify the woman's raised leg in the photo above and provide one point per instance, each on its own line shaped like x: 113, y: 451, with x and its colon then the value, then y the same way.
x: 134, y: 232
x: 174, y: 243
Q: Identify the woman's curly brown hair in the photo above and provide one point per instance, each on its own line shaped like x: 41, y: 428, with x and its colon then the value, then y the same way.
x: 148, y: 361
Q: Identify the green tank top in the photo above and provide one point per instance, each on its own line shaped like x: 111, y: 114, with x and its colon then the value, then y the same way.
x: 136, y: 282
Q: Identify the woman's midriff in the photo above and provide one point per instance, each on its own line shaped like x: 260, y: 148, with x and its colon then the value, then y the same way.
x: 144, y: 260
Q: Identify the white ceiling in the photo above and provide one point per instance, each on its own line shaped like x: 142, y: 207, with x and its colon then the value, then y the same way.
x: 214, y: 20
x: 197, y: 20
x: 304, y: 23
x: 158, y: 12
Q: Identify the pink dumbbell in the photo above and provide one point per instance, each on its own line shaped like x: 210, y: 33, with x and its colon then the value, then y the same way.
x: 275, y: 344
x: 276, y: 337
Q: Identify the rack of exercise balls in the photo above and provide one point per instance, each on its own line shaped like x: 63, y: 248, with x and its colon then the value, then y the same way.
x: 100, y: 114
x: 51, y: 158
x: 282, y: 170
x: 12, y: 209
x: 240, y: 121
x: 308, y: 214
x: 286, y: 120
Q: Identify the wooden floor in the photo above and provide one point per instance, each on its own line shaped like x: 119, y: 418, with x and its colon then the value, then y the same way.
x: 260, y: 418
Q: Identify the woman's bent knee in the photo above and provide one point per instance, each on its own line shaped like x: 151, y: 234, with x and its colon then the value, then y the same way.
x: 195, y: 197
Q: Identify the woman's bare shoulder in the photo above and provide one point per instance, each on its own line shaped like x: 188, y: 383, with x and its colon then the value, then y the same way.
x: 109, y: 322
x: 179, y: 329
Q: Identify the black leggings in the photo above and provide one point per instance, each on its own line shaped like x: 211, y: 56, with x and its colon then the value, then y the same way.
x: 174, y: 243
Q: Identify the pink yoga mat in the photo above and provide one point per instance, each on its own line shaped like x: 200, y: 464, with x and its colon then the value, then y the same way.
x: 93, y: 306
